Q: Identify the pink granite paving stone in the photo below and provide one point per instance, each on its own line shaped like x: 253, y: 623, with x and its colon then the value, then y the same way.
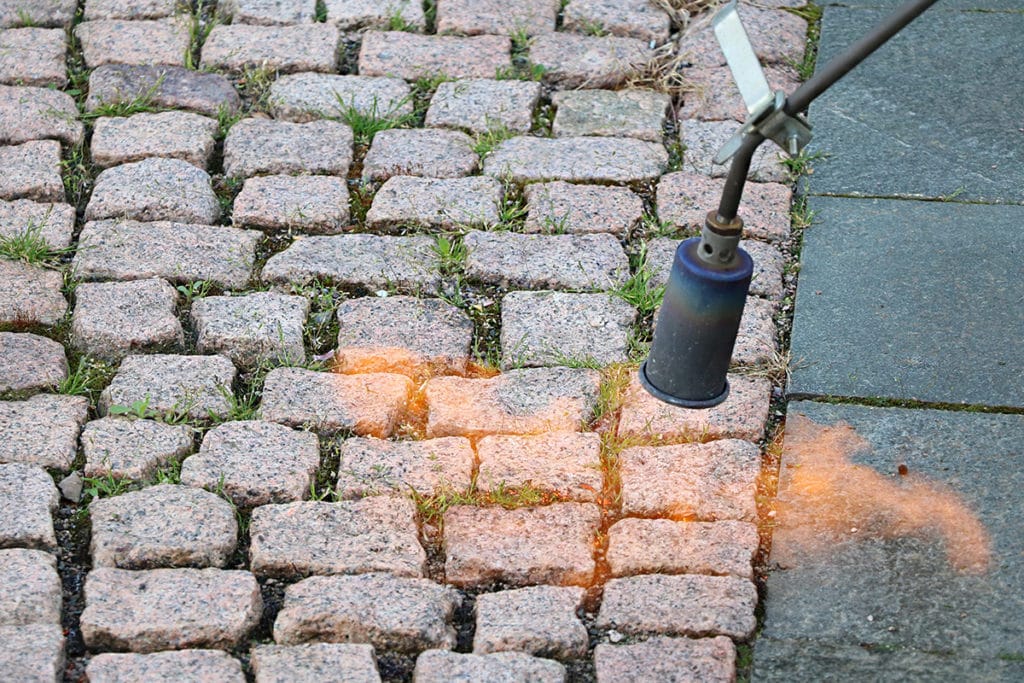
x: 621, y: 113
x: 32, y: 590
x: 435, y: 203
x: 411, y: 56
x: 709, y: 481
x: 566, y: 462
x: 479, y: 105
x: 402, y: 334
x: 172, y: 87
x: 28, y: 499
x: 369, y: 404
x: 30, y: 364
x: 52, y: 223
x: 389, y: 612
x: 33, y: 56
x: 574, y: 61
x: 531, y: 401
x: 261, y: 146
x: 162, y: 41
x: 161, y: 609
x: 32, y: 171
x: 375, y: 534
x: 30, y: 295
x: 154, y: 189
x: 373, y: 467
x: 309, y: 96
x: 375, y: 14
x: 130, y: 9
x: 180, y: 665
x: 552, y: 544
x: 712, y: 94
x: 441, y: 666
x: 755, y: 341
x: 703, y: 139
x: 314, y: 662
x: 47, y: 13
x: 539, y: 620
x: 778, y: 37
x: 504, y: 17
x: 132, y: 448
x: 42, y: 430
x: 286, y: 49
x: 114, y: 319
x: 709, y: 660
x: 684, y: 200
x: 528, y: 159
x: 429, y: 153
x: 743, y: 415
x: 34, y: 652
x: 259, y: 329
x: 684, y: 605
x: 561, y: 207
x: 269, y: 12
x: 642, y: 19
x: 664, y: 546
x: 181, y: 385
x: 172, y: 134
x: 28, y: 113
x: 307, y: 203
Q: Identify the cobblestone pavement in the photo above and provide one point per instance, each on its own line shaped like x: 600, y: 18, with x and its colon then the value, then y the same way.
x: 319, y: 323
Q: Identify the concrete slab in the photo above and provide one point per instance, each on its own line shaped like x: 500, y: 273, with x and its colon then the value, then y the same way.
x: 911, y: 300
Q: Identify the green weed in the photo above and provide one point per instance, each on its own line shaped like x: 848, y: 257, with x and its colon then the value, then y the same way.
x: 106, y: 486
x: 812, y: 13
x: 196, y: 289
x: 366, y: 124
x: 484, y: 143
x: 88, y: 378
x: 640, y: 290
x: 451, y: 254
x: 29, y: 246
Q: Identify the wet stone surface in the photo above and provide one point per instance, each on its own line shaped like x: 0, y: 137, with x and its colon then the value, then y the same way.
x: 481, y: 105
x: 172, y: 384
x: 410, y: 56
x: 429, y: 153
x: 36, y: 114
x: 285, y: 49
x: 114, y: 319
x: 550, y: 544
x: 32, y: 590
x: 172, y: 134
x: 32, y: 171
x: 703, y: 139
x: 314, y: 662
x: 354, y: 14
x: 32, y: 652
x: 663, y: 546
x: 576, y: 61
x: 308, y: 96
x: 442, y: 204
x: 622, y: 113
x: 577, y: 262
x: 112, y: 41
x: 311, y: 204
x: 584, y: 160
x: 504, y: 17
x: 661, y: 658
x: 193, y: 665
x: 28, y: 498
x: 369, y: 467
x: 52, y: 223
x: 375, y: 534
x: 561, y: 207
x: 566, y: 462
x: 261, y: 146
x: 30, y: 295
x: 132, y: 449
x: 173, y: 87
x: 154, y: 189
x: 438, y: 666
x: 42, y: 430
x: 254, y: 462
x: 30, y: 363
x: 258, y: 329
x: 388, y: 612
x: 630, y: 18
x: 539, y: 620
x: 33, y: 56
x: 162, y: 526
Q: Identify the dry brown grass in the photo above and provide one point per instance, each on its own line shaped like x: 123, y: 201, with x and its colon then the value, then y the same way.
x: 663, y: 72
x: 680, y: 11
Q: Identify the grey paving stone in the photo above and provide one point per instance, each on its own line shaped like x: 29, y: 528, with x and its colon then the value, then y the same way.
x: 113, y: 41
x: 439, y: 203
x: 550, y: 544
x: 566, y: 462
x: 181, y: 665
x: 172, y: 87
x: 475, y: 17
x: 49, y: 13
x: 768, y: 265
x: 194, y: 386
x: 577, y: 262
x: 356, y: 14
x: 312, y: 204
x: 368, y: 404
x: 558, y: 207
x: 539, y: 620
x: 372, y: 261
x: 712, y: 94
x: 30, y: 363
x: 33, y: 56
x: 778, y: 37
x: 684, y: 200
x: 411, y: 56
x: 952, y: 5
x: 177, y: 252
x: 314, y: 662
x: 32, y: 653
x: 173, y: 134
x: 42, y: 430
x: 438, y: 666
x: 375, y: 534
x: 703, y: 139
x: 402, y: 334
x: 945, y: 48
x: 254, y: 462
x: 530, y: 401
x: 32, y: 588
x: 480, y: 105
x: 389, y: 612
x: 710, y: 481
x: 132, y: 449
x: 663, y: 659
x: 933, y: 329
x: 257, y: 329
x: 696, y: 606
x: 529, y: 159
x: 285, y: 49
x: 30, y: 295
x: 262, y: 146
x: 163, y: 609
x: 52, y: 223
x: 28, y: 499
x: 631, y: 18
x: 309, y: 96
x: 620, y: 113
x: 32, y: 171
x: 370, y: 467
x: 130, y: 9
x: 114, y: 319
x: 663, y: 546
x: 38, y: 113
x: 561, y: 328
x: 927, y: 561
x: 425, y: 152
x: 154, y: 189
x: 162, y: 526
x: 270, y: 12
x: 574, y: 61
